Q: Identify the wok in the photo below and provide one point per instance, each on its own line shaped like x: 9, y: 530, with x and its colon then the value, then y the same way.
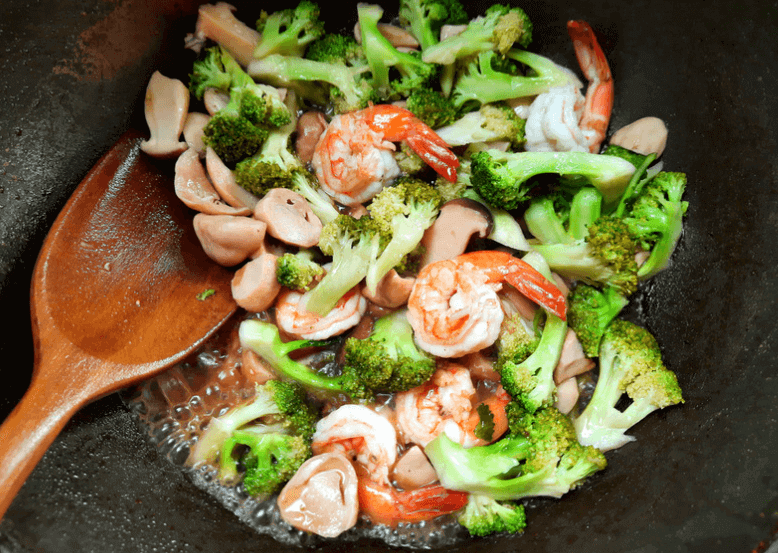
x: 700, y: 478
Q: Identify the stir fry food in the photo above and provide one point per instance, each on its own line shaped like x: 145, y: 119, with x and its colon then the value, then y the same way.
x: 434, y: 244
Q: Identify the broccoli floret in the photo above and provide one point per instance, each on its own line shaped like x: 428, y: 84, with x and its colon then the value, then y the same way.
x: 630, y: 363
x: 492, y: 122
x: 336, y: 48
x: 589, y: 312
x: 289, y: 31
x: 484, y: 80
x: 505, y: 179
x: 270, y: 435
x: 298, y: 271
x: 403, y: 211
x: 515, y: 342
x: 424, y: 18
x: 634, y: 158
x: 388, y: 360
x: 353, y: 244
x: 432, y: 107
x: 539, y: 457
x: 655, y: 219
x: 319, y: 201
x: 394, y: 74
x: 483, y: 516
x: 409, y: 162
x: 497, y: 30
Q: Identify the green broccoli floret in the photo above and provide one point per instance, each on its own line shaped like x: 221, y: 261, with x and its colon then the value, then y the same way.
x: 319, y: 201
x: 336, y: 48
x: 630, y: 363
x: 270, y: 436
x: 289, y: 31
x: 388, y: 360
x: 505, y: 179
x: 589, y: 312
x: 492, y: 122
x: 539, y: 457
x: 655, y: 219
x: 484, y: 78
x: 483, y: 516
x: 353, y: 244
x: 497, y: 30
x: 634, y: 158
x: 424, y: 18
x: 403, y: 212
x: 515, y: 342
x: 298, y: 271
x: 394, y: 74
x: 409, y: 162
x: 432, y: 107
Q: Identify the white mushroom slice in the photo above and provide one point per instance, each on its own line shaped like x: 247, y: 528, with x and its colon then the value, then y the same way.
x: 413, y: 470
x: 572, y: 361
x: 223, y: 180
x: 392, y: 290
x: 459, y: 220
x: 194, y: 124
x: 218, y: 22
x: 567, y: 394
x: 644, y: 136
x: 194, y: 189
x: 310, y: 127
x: 166, y: 106
x: 447, y: 31
x: 289, y: 218
x: 322, y: 496
x: 255, y: 286
x: 214, y: 100
x: 228, y: 239
x: 397, y: 36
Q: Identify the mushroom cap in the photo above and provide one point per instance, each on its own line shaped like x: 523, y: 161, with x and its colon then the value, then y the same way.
x: 459, y: 220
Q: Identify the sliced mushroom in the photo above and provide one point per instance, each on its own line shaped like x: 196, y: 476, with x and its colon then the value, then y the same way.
x: 481, y: 366
x: 310, y: 127
x: 392, y: 290
x: 644, y: 136
x: 413, y: 470
x: 572, y: 361
x: 459, y: 220
x: 228, y: 239
x: 218, y: 22
x: 166, y: 107
x: 322, y: 496
x: 289, y: 218
x: 215, y: 100
x: 255, y: 286
x: 223, y: 180
x: 447, y: 31
x: 194, y: 124
x: 194, y: 189
x: 254, y: 368
x: 567, y: 394
x: 397, y: 36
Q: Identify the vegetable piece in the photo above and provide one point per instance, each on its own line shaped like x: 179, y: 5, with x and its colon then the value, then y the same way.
x: 298, y: 271
x: 492, y: 122
x: 275, y: 426
x: 631, y: 364
x: 589, y: 312
x: 483, y: 516
x: 289, y: 31
x: 432, y: 107
x: 424, y: 18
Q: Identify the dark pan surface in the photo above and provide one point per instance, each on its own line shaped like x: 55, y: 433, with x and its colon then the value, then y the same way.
x: 701, y: 478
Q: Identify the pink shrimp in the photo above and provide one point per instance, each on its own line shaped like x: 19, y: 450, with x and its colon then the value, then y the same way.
x: 353, y: 158
x: 454, y: 308
x: 295, y: 320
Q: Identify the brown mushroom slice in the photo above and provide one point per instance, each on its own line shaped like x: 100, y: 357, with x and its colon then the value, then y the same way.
x: 289, y: 218
x: 567, y: 394
x: 228, y: 239
x: 647, y: 135
x: 413, y: 470
x: 218, y: 22
x: 254, y: 368
x: 194, y: 124
x: 572, y: 361
x: 255, y: 286
x: 310, y: 127
x: 397, y: 36
x: 166, y: 106
x: 392, y: 290
x: 224, y: 182
x: 459, y: 220
x: 322, y: 496
x: 481, y: 366
x: 194, y: 189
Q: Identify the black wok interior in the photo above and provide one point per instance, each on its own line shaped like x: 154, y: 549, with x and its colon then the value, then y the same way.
x: 700, y: 478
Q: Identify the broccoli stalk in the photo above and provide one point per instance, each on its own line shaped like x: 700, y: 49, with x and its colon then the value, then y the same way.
x: 289, y: 31
x: 631, y: 364
x: 483, y: 516
x: 492, y: 122
x: 298, y: 271
x: 424, y: 18
x: 589, y: 312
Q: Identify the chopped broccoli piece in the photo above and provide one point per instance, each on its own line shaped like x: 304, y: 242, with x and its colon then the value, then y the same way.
x: 589, y: 312
x: 388, y: 360
x: 492, y: 122
x: 336, y: 48
x: 409, y: 162
x: 424, y: 18
x: 289, y: 31
x: 483, y: 516
x: 515, y: 342
x: 432, y: 107
x: 634, y: 158
x: 319, y: 201
x: 298, y: 271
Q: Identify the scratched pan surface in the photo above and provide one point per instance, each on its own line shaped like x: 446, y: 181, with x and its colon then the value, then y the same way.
x: 703, y: 478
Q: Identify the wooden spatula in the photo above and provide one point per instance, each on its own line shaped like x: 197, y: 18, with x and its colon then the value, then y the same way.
x: 117, y: 296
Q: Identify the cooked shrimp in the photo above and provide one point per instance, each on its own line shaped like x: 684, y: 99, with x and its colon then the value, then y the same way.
x: 562, y: 119
x: 354, y: 157
x: 362, y: 434
x: 385, y: 504
x: 448, y: 403
x: 454, y: 308
x: 295, y: 320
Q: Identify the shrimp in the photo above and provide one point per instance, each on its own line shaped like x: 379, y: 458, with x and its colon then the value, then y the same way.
x: 353, y: 158
x: 562, y: 119
x: 454, y: 308
x: 448, y: 404
x: 362, y: 434
x: 385, y: 504
x: 295, y: 320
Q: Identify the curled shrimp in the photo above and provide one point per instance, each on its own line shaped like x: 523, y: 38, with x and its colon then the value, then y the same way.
x: 353, y: 158
x: 385, y: 504
x: 454, y: 308
x: 448, y: 403
x: 293, y: 318
x: 562, y: 119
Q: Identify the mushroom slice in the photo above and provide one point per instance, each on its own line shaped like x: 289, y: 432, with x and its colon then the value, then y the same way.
x: 392, y: 290
x: 413, y: 470
x: 572, y: 361
x: 254, y: 368
x: 218, y: 22
x: 214, y: 100
x: 322, y: 496
x: 194, y: 124
x: 644, y: 136
x: 194, y: 189
x: 459, y: 220
x: 166, y: 107
x: 567, y: 394
x: 223, y: 180
x: 310, y: 127
x: 289, y: 218
x: 397, y: 36
x: 255, y: 286
x: 228, y: 239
